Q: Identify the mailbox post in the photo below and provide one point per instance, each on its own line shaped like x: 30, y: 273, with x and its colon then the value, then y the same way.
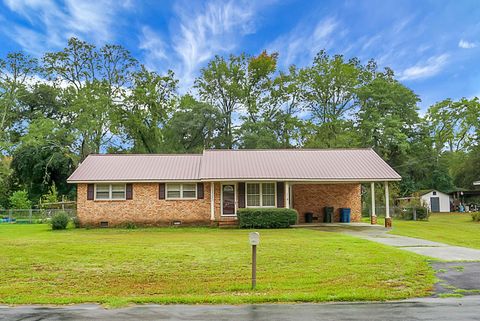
x: 254, y: 238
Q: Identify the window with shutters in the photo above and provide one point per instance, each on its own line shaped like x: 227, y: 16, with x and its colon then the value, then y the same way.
x: 110, y: 192
x: 260, y: 194
x: 181, y: 191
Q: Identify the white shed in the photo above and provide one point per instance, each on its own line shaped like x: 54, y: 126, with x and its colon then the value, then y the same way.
x: 436, y: 201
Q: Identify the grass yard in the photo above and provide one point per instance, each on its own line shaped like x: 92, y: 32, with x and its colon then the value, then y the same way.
x: 200, y: 265
x: 451, y: 228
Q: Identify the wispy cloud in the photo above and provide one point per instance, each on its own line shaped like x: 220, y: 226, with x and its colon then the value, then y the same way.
x: 154, y: 47
x: 428, y: 68
x: 466, y: 44
x: 305, y: 40
x: 51, y: 24
x: 204, y: 31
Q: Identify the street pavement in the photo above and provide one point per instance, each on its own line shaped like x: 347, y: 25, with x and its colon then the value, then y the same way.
x: 458, y: 309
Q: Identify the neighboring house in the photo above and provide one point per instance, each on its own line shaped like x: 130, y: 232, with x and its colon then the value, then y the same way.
x: 209, y: 188
x: 436, y: 201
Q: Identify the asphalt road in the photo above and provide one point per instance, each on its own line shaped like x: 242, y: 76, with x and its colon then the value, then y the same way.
x: 466, y: 308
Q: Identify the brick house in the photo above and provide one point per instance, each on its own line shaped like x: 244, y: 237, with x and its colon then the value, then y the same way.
x: 208, y: 188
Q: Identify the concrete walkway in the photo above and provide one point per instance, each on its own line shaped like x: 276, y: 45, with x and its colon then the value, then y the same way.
x: 434, y: 309
x: 436, y: 250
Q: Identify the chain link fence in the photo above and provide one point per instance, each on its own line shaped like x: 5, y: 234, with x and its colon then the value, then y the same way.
x: 32, y: 216
x: 409, y: 213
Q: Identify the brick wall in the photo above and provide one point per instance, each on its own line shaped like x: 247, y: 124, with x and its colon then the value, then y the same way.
x: 314, y: 197
x: 145, y: 208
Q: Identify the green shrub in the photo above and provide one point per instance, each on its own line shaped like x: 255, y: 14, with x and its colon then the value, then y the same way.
x: 422, y: 213
x: 128, y: 225
x: 476, y: 216
x: 59, y: 221
x: 266, y: 217
x: 76, y: 222
x: 19, y: 200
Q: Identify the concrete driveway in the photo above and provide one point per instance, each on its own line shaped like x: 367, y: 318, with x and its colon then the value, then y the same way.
x: 422, y: 309
x: 431, y: 249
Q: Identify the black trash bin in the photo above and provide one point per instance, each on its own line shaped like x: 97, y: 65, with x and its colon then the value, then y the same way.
x: 328, y: 215
x: 308, y: 217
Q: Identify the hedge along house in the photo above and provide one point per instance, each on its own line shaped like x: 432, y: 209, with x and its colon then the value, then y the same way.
x: 209, y: 188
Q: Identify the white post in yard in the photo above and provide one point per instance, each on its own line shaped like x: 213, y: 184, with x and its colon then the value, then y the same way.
x: 212, y: 201
x: 373, y: 218
x: 287, y: 195
x: 388, y: 219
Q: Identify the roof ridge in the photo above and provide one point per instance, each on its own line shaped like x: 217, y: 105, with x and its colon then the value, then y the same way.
x: 287, y: 149
x: 113, y: 154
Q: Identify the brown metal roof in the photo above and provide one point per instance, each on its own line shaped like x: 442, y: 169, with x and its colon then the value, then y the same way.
x: 288, y: 164
x: 296, y: 164
x: 125, y: 167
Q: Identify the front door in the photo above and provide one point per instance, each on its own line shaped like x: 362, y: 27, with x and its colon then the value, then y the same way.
x: 228, y: 199
x: 435, y: 204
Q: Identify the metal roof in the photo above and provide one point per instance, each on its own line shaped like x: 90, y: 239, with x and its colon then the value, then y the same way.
x: 296, y: 164
x: 133, y: 167
x: 286, y: 164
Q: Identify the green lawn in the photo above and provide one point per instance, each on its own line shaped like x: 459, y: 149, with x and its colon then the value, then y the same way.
x: 450, y: 228
x: 200, y: 265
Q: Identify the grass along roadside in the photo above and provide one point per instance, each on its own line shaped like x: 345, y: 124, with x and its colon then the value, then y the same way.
x: 450, y: 228
x: 200, y: 265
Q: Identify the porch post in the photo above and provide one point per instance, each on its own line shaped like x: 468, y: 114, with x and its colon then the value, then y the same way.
x: 212, y: 201
x: 373, y: 218
x: 287, y: 195
x: 388, y: 219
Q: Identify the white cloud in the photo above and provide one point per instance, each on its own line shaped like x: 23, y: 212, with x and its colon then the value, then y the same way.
x: 154, y: 47
x: 301, y: 44
x: 466, y: 44
x: 429, y: 68
x: 52, y: 24
x: 207, y: 30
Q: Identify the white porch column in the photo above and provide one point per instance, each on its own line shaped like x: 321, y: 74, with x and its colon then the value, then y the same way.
x: 373, y: 218
x: 287, y: 195
x: 388, y: 219
x: 212, y: 201
x: 387, y: 201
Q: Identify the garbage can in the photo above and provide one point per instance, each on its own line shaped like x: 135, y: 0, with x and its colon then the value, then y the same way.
x: 308, y: 217
x: 328, y: 215
x: 345, y: 215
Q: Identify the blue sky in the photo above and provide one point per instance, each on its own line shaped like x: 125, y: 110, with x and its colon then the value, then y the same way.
x: 433, y: 46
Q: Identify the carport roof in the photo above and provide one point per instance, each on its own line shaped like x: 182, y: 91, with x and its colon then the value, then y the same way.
x: 352, y: 165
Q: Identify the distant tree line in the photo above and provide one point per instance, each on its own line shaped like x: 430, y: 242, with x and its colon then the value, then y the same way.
x: 56, y: 110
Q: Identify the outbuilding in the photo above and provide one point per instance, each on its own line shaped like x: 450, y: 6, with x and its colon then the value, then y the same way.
x: 436, y: 201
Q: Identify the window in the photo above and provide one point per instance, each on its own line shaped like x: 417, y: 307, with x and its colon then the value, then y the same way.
x: 118, y: 191
x: 260, y: 194
x: 189, y: 191
x: 181, y: 191
x: 173, y: 190
x: 110, y: 191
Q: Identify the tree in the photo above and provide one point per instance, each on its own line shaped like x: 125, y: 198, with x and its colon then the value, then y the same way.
x: 148, y: 108
x: 455, y: 125
x: 220, y: 85
x: 44, y: 157
x: 51, y: 196
x: 97, y: 82
x: 329, y: 89
x: 387, y: 118
x: 19, y: 200
x: 194, y: 126
x: 16, y: 72
x: 5, y: 181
